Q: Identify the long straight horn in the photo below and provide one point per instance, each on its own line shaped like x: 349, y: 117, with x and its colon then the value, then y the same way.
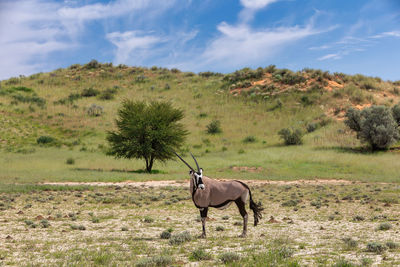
x: 198, y: 168
x: 184, y: 161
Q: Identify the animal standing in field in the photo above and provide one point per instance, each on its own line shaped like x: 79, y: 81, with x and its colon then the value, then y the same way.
x: 207, y: 192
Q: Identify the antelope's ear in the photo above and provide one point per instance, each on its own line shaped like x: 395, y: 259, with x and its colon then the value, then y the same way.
x: 190, y: 172
x: 201, y: 170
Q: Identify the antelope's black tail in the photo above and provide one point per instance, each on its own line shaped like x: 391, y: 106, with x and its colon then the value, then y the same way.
x: 257, y: 208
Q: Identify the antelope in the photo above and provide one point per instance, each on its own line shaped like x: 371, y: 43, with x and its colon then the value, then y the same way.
x: 207, y: 192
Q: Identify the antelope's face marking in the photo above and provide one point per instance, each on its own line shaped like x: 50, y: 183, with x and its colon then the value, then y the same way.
x: 198, y: 178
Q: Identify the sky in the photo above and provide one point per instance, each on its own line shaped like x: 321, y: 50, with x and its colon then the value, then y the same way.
x: 349, y: 36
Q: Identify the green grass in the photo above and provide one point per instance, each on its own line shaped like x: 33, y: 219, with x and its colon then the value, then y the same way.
x: 277, y: 162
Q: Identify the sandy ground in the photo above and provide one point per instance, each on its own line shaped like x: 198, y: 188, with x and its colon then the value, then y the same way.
x: 186, y: 182
x: 327, y: 212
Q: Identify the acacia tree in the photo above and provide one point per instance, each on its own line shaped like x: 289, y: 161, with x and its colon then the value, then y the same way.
x: 149, y: 131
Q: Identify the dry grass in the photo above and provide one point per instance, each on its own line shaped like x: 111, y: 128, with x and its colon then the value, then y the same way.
x: 306, y: 233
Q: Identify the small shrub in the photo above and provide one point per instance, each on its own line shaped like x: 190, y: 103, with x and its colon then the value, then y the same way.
x: 289, y: 203
x: 70, y: 161
x: 29, y: 222
x: 180, y: 238
x: 343, y: 263
x: 375, y: 247
x: 44, y: 223
x: 350, y: 243
x: 358, y: 218
x: 108, y: 94
x: 141, y: 78
x: 124, y: 228
x: 228, y: 257
x: 95, y: 110
x: 366, y: 262
x: 226, y: 217
x: 311, y: 127
x: 214, y: 127
x: 392, y: 245
x: 165, y: 235
x: 93, y: 64
x: 203, y: 115
x: 148, y: 219
x: 199, y: 254
x: 89, y: 92
x: 384, y: 226
x: 77, y: 227
x: 291, y: 136
x: 44, y: 140
x: 249, y: 139
x: 160, y: 260
x: 219, y: 228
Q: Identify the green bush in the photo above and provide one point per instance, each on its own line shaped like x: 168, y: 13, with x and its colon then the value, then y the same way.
x: 392, y: 245
x: 214, y: 127
x: 160, y: 260
x: 44, y: 140
x: 93, y: 64
x: 45, y: 223
x: 165, y: 234
x: 148, y: 219
x: 199, y: 254
x: 311, y: 127
x: 249, y: 139
x: 291, y: 136
x: 70, y: 161
x: 384, y: 226
x: 219, y: 228
x: 374, y: 125
x: 95, y: 110
x: 228, y: 257
x: 180, y: 238
x: 375, y: 247
x: 343, y: 263
x: 89, y: 92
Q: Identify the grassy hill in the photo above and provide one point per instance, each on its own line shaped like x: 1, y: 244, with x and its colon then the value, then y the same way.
x: 47, y: 118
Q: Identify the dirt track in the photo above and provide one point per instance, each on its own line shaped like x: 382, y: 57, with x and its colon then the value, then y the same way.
x: 186, y: 182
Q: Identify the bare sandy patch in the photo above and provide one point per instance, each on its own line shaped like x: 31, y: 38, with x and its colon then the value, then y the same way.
x: 181, y: 183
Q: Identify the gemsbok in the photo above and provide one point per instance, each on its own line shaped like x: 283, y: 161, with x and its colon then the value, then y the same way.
x: 207, y: 192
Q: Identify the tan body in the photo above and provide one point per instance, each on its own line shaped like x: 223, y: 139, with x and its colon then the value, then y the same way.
x: 217, y: 192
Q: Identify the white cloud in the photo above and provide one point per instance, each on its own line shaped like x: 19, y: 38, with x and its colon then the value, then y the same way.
x: 330, y: 56
x: 251, y: 7
x: 240, y: 45
x: 33, y: 29
x: 256, y: 4
x: 386, y: 34
x: 131, y: 45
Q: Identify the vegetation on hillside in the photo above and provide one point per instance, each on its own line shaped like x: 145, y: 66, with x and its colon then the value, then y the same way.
x: 76, y: 106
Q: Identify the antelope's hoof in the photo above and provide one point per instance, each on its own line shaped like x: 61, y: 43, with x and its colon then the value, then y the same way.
x: 243, y: 235
x: 202, y: 236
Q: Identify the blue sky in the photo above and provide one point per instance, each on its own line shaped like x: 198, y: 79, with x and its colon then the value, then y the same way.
x: 350, y: 36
